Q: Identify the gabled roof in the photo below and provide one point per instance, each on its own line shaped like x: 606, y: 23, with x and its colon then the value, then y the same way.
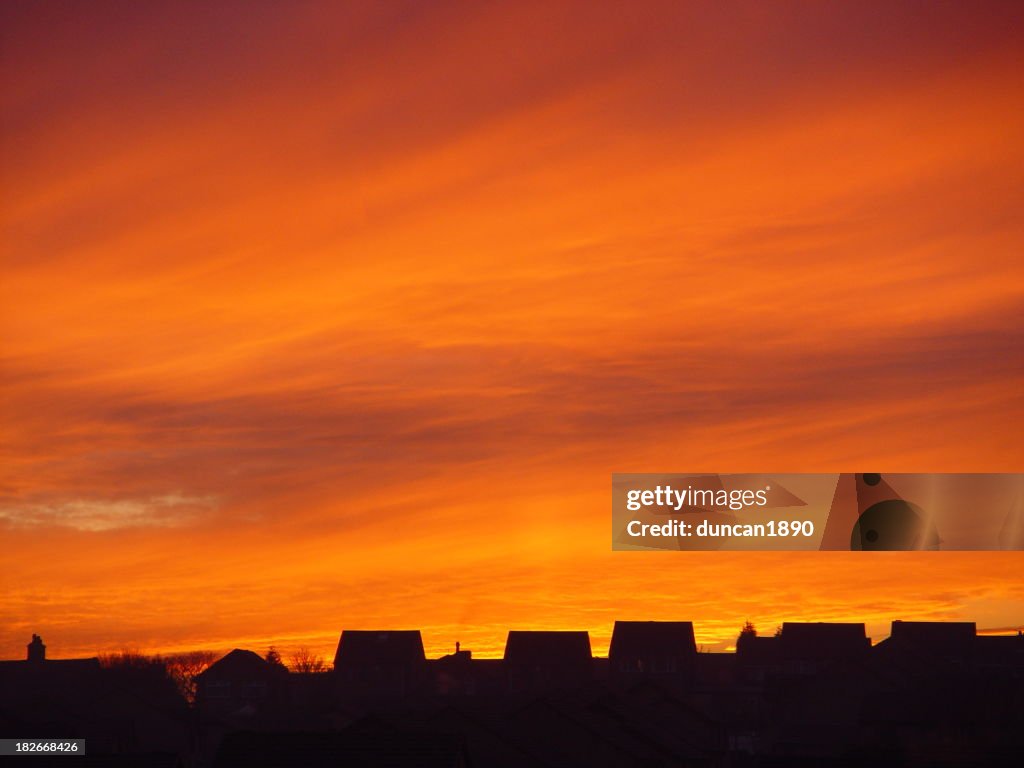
x: 360, y: 649
x: 821, y: 640
x: 953, y: 638
x: 240, y: 665
x: 547, y: 648
x: 638, y: 639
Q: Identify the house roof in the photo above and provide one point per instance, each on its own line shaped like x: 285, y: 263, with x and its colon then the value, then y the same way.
x: 1000, y: 649
x: 547, y: 648
x: 239, y: 665
x: 635, y: 639
x: 941, y: 638
x: 359, y: 649
x: 822, y: 640
x: 56, y: 666
x: 55, y: 674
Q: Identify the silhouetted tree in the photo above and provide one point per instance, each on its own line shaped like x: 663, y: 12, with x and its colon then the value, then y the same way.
x: 128, y: 659
x: 273, y: 657
x: 747, y: 634
x: 749, y: 630
x: 184, y: 668
x: 156, y: 674
x: 304, y: 660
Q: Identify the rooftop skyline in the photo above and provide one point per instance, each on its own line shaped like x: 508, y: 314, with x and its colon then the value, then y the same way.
x: 632, y: 631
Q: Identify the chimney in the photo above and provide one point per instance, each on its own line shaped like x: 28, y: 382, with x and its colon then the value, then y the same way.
x: 36, y: 649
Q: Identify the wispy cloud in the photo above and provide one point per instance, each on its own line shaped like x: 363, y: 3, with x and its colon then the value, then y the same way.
x: 107, y: 514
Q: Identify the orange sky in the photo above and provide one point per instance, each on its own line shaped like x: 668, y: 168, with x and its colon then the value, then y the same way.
x: 317, y: 317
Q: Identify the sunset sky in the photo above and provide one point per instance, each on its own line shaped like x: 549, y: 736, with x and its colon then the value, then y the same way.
x: 318, y: 316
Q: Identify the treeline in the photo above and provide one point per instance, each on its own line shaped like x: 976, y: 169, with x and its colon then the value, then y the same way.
x: 183, y: 669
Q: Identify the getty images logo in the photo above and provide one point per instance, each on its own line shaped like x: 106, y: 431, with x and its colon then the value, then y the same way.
x: 675, y: 499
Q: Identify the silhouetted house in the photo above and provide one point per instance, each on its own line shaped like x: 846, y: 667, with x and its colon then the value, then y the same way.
x: 800, y: 694
x: 455, y: 673
x: 48, y: 694
x: 916, y: 642
x: 1001, y: 654
x: 949, y: 697
x: 715, y: 669
x: 459, y: 674
x: 537, y: 661
x: 380, y: 663
x: 954, y: 648
x: 757, y: 657
x: 808, y: 648
x: 662, y: 649
x: 118, y: 711
x: 801, y: 649
x: 239, y: 686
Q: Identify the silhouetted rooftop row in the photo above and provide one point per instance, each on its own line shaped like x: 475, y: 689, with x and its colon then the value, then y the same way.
x: 815, y: 691
x: 634, y: 639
